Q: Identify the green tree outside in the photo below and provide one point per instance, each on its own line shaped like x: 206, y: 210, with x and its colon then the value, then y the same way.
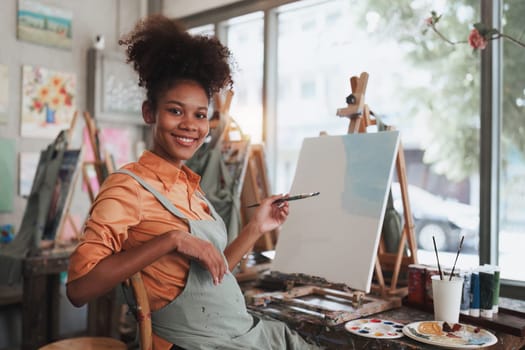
x: 452, y: 102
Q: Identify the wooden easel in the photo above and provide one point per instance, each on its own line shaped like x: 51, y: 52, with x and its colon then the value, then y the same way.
x: 359, y: 114
x: 256, y: 188
x: 59, y: 242
x: 103, y: 312
x: 67, y: 206
x: 102, y: 160
x: 101, y: 165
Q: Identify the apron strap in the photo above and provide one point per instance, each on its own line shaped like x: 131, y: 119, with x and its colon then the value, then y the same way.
x: 160, y: 197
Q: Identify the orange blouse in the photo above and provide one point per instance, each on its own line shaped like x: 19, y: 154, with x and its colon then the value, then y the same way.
x: 125, y: 215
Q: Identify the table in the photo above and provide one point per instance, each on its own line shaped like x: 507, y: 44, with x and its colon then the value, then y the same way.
x: 336, y: 337
x: 40, y: 301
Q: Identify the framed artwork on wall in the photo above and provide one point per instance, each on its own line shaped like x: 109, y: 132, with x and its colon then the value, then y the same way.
x: 44, y: 25
x: 7, y: 169
x: 48, y: 101
x: 113, y: 91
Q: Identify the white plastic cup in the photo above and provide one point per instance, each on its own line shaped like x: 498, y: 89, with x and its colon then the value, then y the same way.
x: 447, y: 298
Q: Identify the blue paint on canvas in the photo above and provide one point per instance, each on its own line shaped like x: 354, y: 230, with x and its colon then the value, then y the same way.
x: 363, y: 194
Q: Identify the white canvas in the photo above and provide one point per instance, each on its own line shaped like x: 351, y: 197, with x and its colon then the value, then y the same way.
x: 336, y: 235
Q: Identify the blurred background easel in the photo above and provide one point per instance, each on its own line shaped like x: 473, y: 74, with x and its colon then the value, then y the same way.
x: 248, y: 164
x: 102, y: 162
x: 104, y: 312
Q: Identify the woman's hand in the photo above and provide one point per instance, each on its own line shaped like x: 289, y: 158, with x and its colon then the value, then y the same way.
x: 204, y: 253
x: 270, y: 215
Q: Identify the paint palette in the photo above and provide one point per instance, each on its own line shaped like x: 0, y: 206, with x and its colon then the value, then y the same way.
x: 375, y: 328
x: 460, y: 336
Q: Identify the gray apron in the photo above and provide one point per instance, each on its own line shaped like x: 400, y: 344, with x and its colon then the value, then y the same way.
x: 207, y: 316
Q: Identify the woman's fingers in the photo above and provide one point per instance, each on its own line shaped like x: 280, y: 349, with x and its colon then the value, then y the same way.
x: 215, y: 264
x: 207, y: 255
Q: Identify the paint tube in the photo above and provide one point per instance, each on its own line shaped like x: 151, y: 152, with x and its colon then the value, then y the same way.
x: 474, y: 294
x: 496, y: 287
x: 465, y: 297
x: 486, y: 289
x: 416, y: 284
x: 429, y: 298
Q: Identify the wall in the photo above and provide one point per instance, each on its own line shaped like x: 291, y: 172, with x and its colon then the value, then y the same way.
x: 185, y: 8
x: 111, y: 18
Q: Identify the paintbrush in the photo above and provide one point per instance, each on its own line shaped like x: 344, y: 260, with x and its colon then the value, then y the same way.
x: 287, y: 199
x: 455, y: 261
x: 437, y: 258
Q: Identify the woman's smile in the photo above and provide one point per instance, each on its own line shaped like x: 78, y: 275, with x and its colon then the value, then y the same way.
x: 185, y: 141
x: 180, y: 122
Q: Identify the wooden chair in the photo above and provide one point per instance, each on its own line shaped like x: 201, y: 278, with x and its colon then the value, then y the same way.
x: 142, y: 313
x: 87, y: 343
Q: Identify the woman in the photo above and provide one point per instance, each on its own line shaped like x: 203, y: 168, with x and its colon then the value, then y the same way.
x: 151, y: 215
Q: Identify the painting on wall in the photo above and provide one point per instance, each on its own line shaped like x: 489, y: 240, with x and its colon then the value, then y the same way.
x: 45, y: 25
x: 114, y: 94
x: 7, y: 169
x: 28, y: 164
x: 4, y: 93
x: 48, y: 101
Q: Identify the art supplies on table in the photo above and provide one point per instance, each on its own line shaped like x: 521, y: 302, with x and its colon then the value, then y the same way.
x: 496, y: 286
x: 486, y: 289
x: 314, y: 300
x: 456, y: 336
x: 416, y: 284
x: 429, y: 272
x: 465, y: 298
x: 375, y: 328
x: 481, y: 288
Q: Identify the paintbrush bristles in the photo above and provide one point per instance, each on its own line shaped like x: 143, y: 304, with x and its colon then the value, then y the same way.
x: 437, y: 258
x: 455, y: 261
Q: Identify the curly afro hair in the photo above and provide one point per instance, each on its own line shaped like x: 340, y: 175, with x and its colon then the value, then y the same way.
x: 162, y: 52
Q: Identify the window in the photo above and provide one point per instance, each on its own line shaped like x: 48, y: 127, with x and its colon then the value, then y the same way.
x: 206, y: 30
x: 407, y: 93
x: 308, y: 88
x: 426, y: 88
x: 302, y: 64
x: 512, y: 146
x: 245, y: 40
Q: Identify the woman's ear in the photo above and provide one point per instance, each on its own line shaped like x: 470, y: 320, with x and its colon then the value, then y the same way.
x: 148, y: 114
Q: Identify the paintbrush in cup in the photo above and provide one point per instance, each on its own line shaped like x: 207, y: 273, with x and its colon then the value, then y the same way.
x: 455, y: 261
x: 437, y: 258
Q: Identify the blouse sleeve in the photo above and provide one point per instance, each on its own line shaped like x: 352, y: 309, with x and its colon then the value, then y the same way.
x: 116, y: 208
